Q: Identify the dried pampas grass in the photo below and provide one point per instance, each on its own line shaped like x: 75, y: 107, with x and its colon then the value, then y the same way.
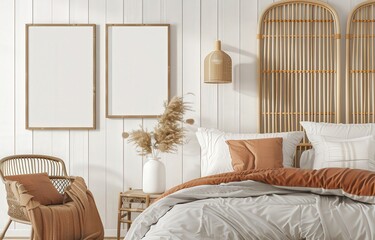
x: 142, y: 139
x: 168, y: 133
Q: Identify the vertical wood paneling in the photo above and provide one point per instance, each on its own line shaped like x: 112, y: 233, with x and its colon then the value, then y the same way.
x: 132, y: 11
x: 114, y: 140
x: 151, y: 11
x: 208, y: 96
x: 42, y: 142
x: 42, y: 11
x: 191, y: 85
x: 6, y: 90
x: 60, y: 11
x: 79, y: 139
x: 247, y: 68
x: 78, y: 148
x: 7, y: 75
x: 97, y: 137
x: 23, y: 138
x: 115, y: 11
x: 228, y: 98
x: 262, y: 5
x: 107, y: 162
x: 151, y: 14
x: 79, y: 11
x: 173, y: 16
x: 60, y: 139
x: 42, y: 139
x: 133, y: 163
x: 172, y: 10
x: 60, y: 146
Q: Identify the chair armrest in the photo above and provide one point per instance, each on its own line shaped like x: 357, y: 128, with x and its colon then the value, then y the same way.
x: 15, y: 208
x: 14, y: 190
x: 71, y: 178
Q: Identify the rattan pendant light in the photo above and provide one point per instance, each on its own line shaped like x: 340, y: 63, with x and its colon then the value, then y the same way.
x: 218, y: 66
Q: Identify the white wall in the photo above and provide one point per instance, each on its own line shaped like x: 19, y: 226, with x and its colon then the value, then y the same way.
x: 107, y: 162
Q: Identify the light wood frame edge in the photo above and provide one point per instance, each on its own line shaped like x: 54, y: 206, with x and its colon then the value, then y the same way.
x: 27, y: 76
x: 106, y: 68
x: 347, y: 57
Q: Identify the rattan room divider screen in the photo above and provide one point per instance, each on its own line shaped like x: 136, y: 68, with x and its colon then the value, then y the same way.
x: 360, y: 64
x: 299, y: 66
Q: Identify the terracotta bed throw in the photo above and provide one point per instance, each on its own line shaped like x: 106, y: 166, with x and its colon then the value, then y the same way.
x: 356, y: 184
x: 77, y: 218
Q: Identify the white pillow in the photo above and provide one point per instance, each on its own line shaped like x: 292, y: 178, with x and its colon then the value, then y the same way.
x: 215, y: 152
x: 356, y: 153
x: 306, y: 160
x: 344, y: 131
x: 315, y: 130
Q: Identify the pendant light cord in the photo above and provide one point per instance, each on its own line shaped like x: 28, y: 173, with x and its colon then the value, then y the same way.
x: 217, y: 19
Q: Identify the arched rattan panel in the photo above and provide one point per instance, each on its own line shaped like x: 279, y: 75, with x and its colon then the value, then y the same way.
x: 360, y: 64
x: 299, y: 66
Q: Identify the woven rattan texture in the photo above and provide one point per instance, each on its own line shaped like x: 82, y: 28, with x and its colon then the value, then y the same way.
x: 299, y: 70
x: 31, y: 164
x: 360, y: 64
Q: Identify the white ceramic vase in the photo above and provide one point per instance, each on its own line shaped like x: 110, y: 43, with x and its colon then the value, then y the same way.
x: 153, y: 176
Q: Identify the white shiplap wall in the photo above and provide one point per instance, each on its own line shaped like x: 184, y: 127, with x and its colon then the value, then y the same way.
x: 107, y: 162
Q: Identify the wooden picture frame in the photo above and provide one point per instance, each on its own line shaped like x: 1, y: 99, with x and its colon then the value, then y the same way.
x: 133, y: 90
x: 60, y: 76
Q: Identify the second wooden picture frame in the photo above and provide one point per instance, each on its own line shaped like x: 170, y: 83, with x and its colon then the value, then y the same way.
x: 137, y: 70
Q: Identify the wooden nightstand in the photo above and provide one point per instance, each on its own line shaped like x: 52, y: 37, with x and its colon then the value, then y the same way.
x: 126, y: 203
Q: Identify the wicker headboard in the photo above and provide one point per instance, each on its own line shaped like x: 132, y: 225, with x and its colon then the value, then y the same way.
x: 360, y: 64
x: 299, y: 70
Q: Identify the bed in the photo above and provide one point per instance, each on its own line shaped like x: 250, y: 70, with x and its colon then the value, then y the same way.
x: 299, y: 89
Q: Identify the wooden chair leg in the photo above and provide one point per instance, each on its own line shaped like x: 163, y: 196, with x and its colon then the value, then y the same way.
x: 5, y: 229
x: 32, y: 233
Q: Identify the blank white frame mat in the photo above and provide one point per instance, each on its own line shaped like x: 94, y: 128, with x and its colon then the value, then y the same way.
x: 60, y: 76
x: 138, y: 70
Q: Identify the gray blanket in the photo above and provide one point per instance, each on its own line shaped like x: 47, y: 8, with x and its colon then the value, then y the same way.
x: 253, y: 210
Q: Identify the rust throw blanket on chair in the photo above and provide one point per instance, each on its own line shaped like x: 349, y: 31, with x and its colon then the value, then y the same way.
x: 77, y: 219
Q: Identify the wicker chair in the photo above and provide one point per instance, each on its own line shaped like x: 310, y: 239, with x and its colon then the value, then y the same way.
x: 30, y: 164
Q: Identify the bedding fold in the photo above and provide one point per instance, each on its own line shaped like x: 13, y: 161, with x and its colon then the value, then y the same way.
x: 353, y: 183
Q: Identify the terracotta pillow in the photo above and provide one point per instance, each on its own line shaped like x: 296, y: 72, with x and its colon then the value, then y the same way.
x: 242, y: 158
x: 40, y: 186
x: 256, y: 153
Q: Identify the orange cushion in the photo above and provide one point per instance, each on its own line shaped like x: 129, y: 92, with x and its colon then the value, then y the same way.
x: 256, y: 153
x: 242, y: 158
x: 40, y: 186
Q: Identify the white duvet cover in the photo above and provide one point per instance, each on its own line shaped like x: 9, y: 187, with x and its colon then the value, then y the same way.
x: 254, y: 210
